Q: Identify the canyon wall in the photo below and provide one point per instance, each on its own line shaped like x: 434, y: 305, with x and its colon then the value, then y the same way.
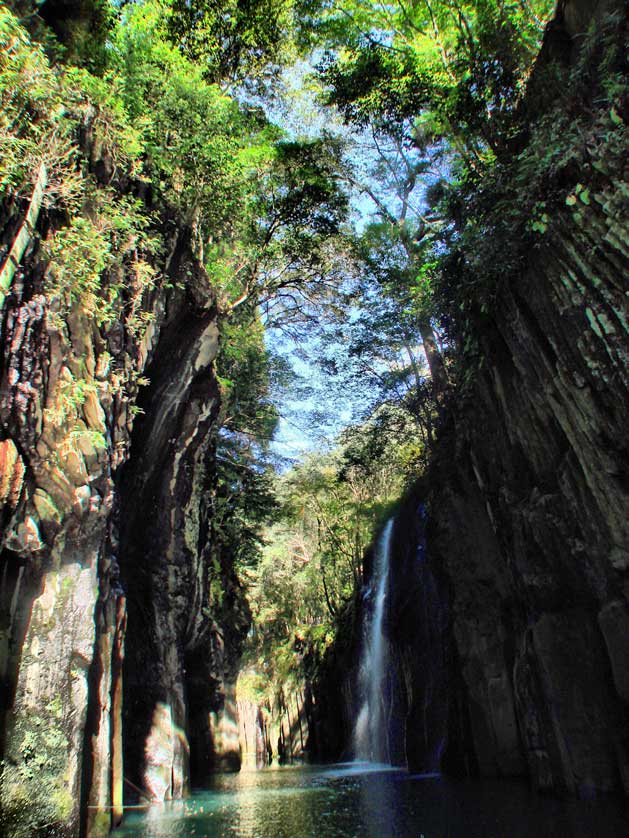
x: 280, y: 732
x: 528, y: 493
x: 529, y: 497
x: 508, y: 613
x: 107, y: 574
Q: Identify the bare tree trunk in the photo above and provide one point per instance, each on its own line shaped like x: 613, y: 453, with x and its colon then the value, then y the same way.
x: 25, y: 233
x: 434, y: 359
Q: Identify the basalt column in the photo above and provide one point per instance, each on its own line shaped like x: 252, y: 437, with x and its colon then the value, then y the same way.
x: 175, y: 659
x: 530, y: 487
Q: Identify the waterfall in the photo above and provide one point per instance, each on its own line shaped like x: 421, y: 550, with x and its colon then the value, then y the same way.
x: 370, y: 732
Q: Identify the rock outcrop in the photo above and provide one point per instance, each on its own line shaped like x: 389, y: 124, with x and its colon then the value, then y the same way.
x: 281, y: 731
x: 529, y: 502
x: 508, y: 617
x: 185, y: 609
x: 65, y: 425
x: 105, y: 435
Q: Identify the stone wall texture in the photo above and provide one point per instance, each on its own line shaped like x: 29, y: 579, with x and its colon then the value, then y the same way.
x: 107, y: 576
x: 508, y: 616
x: 527, y: 538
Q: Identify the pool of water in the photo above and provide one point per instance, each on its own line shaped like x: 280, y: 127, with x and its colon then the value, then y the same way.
x: 356, y: 801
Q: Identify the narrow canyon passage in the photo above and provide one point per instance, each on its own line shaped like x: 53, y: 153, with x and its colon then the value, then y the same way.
x: 314, y: 397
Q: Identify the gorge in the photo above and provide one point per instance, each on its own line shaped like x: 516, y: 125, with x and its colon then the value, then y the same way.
x: 172, y: 606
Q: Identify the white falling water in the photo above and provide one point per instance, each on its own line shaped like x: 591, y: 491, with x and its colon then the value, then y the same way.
x: 370, y: 732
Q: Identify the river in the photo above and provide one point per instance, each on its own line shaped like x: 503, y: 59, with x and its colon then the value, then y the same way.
x: 362, y: 801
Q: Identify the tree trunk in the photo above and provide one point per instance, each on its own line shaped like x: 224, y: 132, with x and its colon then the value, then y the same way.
x: 434, y: 358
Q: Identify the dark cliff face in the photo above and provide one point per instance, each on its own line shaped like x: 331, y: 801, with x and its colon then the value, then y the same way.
x: 104, y: 540
x: 66, y: 390
x: 186, y: 612
x: 529, y: 498
x: 529, y: 514
x: 508, y: 614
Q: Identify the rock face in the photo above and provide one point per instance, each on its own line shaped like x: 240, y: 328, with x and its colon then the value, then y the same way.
x: 178, y: 645
x: 64, y: 428
x: 96, y: 558
x: 530, y: 502
x: 509, y: 633
x: 253, y: 735
x: 532, y: 531
x: 284, y: 732
x: 529, y: 509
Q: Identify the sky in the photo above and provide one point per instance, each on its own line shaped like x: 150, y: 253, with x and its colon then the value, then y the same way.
x: 312, y: 418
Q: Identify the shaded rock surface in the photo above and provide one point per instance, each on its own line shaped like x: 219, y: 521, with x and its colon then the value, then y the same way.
x: 529, y: 498
x: 95, y: 561
x: 508, y: 633
x: 186, y: 612
x: 282, y: 731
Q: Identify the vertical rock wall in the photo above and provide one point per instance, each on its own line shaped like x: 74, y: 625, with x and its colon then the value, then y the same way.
x: 529, y: 500
x: 509, y: 632
x: 95, y: 559
x: 253, y: 734
x: 532, y: 528
x: 64, y: 421
x: 283, y: 732
x: 178, y: 644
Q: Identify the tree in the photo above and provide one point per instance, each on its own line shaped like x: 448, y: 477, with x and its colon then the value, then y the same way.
x: 435, y: 86
x: 231, y: 40
x: 459, y: 64
x: 297, y: 210
x: 311, y: 569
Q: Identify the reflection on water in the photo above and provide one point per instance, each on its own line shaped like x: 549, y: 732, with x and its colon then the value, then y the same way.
x: 362, y: 801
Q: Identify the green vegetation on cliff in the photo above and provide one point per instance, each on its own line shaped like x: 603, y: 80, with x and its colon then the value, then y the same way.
x: 143, y: 162
x: 465, y: 180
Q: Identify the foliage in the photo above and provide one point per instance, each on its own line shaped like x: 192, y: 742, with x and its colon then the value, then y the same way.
x: 242, y: 498
x: 447, y: 82
x: 498, y: 222
x: 283, y: 258
x: 72, y: 31
x: 462, y: 66
x: 35, y: 799
x: 233, y: 39
x: 105, y: 245
x: 311, y: 568
x: 32, y: 118
x: 192, y: 133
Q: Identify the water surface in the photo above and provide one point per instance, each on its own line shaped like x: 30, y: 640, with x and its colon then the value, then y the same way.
x: 363, y: 801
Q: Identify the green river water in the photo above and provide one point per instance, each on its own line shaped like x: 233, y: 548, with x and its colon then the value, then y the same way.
x: 350, y: 800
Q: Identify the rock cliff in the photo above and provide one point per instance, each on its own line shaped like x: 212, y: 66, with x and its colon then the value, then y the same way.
x: 530, y: 501
x: 106, y: 429
x: 510, y: 603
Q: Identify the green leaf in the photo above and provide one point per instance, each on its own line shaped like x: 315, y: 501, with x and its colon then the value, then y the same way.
x: 615, y: 117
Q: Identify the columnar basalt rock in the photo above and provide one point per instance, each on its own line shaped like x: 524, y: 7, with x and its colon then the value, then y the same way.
x: 539, y: 577
x: 81, y: 544
x: 178, y: 645
x: 253, y: 734
x: 530, y: 500
x: 60, y: 450
x: 514, y: 618
x: 282, y: 731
